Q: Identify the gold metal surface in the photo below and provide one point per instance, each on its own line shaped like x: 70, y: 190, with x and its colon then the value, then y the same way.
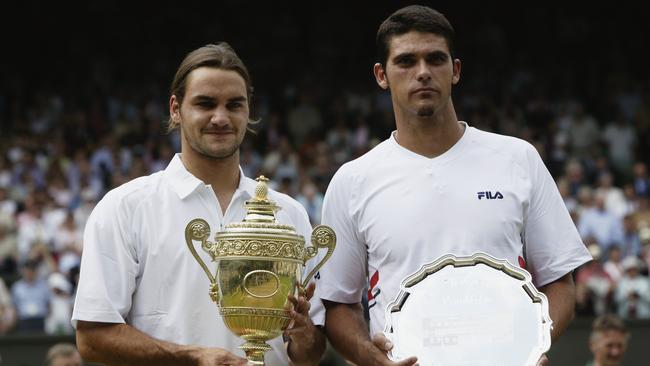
x: 259, y: 263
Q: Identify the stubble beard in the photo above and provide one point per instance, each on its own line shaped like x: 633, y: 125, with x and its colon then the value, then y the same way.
x: 220, y: 153
x: 217, y: 152
x: 425, y: 112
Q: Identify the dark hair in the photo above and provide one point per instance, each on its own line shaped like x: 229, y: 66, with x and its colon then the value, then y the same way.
x: 220, y: 56
x: 413, y: 18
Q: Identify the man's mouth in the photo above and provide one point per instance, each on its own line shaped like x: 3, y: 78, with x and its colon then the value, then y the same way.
x: 423, y: 90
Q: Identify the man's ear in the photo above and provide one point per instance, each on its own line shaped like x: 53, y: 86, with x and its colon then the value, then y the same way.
x: 456, y: 76
x: 380, y: 76
x: 175, y: 109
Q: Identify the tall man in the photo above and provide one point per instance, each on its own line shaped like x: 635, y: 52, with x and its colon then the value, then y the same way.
x: 142, y: 298
x: 436, y: 186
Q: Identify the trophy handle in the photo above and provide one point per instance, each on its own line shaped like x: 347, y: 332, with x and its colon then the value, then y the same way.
x: 199, y: 230
x: 321, y: 237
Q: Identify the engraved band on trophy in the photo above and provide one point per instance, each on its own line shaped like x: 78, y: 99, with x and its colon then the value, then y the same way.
x: 259, y: 263
x: 474, y: 310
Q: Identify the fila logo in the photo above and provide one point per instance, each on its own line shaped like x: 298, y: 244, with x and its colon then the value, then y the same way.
x: 490, y: 195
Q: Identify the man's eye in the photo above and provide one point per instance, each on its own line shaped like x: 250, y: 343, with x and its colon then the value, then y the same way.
x: 404, y: 61
x: 205, y: 104
x: 438, y: 59
x: 235, y: 105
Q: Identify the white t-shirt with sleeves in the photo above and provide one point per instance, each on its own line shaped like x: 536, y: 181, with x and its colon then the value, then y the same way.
x: 136, y: 267
x: 394, y: 210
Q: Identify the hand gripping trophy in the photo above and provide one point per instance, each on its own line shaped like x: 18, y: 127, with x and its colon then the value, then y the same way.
x: 259, y: 262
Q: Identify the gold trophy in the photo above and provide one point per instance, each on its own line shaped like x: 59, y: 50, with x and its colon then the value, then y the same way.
x: 259, y: 263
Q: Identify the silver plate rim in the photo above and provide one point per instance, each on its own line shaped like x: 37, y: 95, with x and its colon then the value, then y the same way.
x: 502, y: 265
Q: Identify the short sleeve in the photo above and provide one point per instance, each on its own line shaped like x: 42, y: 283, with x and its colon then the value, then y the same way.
x: 343, y: 277
x: 553, y: 246
x: 109, y: 265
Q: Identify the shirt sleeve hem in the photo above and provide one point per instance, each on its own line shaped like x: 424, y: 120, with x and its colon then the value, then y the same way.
x: 330, y: 293
x: 556, y: 275
x: 94, y: 316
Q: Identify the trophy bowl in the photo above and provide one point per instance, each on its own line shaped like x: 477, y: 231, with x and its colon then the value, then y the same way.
x: 259, y: 263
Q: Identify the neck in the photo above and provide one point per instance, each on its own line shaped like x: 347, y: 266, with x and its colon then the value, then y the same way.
x: 428, y: 136
x: 221, y: 174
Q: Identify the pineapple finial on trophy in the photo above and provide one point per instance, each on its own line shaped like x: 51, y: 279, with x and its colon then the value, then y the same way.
x: 260, y: 208
x: 262, y: 189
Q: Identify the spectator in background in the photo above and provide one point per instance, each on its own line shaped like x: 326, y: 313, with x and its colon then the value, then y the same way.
x: 281, y: 163
x: 644, y: 238
x: 585, y: 200
x: 600, y: 224
x: 569, y: 201
x: 312, y: 200
x: 631, y: 199
x: 8, y: 245
x: 608, y: 341
x: 583, y: 132
x: 8, y: 206
x: 633, y: 291
x: 613, y: 265
x: 574, y: 173
x: 31, y: 297
x: 339, y: 140
x: 304, y: 121
x: 614, y: 198
x: 631, y: 245
x: 60, y: 309
x: 619, y: 136
x: 63, y: 354
x: 250, y: 161
x: 68, y: 236
x: 7, y: 310
x: 593, y: 286
x: 32, y: 228
x: 641, y: 180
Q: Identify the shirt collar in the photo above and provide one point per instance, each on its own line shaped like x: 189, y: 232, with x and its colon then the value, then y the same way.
x: 184, y: 183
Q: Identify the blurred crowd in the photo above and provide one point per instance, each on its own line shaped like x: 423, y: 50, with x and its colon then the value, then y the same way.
x: 65, y: 140
x: 60, y: 152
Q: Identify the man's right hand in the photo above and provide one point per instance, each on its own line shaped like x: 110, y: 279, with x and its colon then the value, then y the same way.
x: 347, y: 331
x: 121, y: 344
x: 380, y: 341
x: 218, y: 357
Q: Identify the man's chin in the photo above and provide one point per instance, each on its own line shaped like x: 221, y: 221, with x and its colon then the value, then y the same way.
x: 425, y: 112
x: 218, y: 154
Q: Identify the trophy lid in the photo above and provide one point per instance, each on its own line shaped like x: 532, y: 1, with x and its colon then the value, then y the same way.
x: 260, y: 216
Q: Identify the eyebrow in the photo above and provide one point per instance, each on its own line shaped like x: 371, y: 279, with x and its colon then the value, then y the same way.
x: 207, y: 98
x: 240, y: 98
x: 407, y: 55
x: 403, y: 56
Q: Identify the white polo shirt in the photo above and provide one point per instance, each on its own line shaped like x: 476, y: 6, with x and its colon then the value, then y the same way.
x: 136, y: 267
x: 394, y: 210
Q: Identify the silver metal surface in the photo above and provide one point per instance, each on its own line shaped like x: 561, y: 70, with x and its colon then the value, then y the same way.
x: 476, y: 310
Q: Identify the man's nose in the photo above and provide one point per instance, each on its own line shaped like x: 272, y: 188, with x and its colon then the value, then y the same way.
x: 220, y: 116
x: 423, y: 72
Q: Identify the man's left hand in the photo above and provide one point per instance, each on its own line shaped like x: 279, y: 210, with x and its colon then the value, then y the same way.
x: 304, y: 338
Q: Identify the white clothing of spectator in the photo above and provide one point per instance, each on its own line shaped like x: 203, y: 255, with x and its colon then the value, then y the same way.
x: 60, y: 310
x: 621, y: 141
x: 600, y: 224
x: 633, y: 291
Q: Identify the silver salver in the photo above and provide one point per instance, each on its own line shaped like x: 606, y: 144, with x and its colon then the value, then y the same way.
x: 475, y: 310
